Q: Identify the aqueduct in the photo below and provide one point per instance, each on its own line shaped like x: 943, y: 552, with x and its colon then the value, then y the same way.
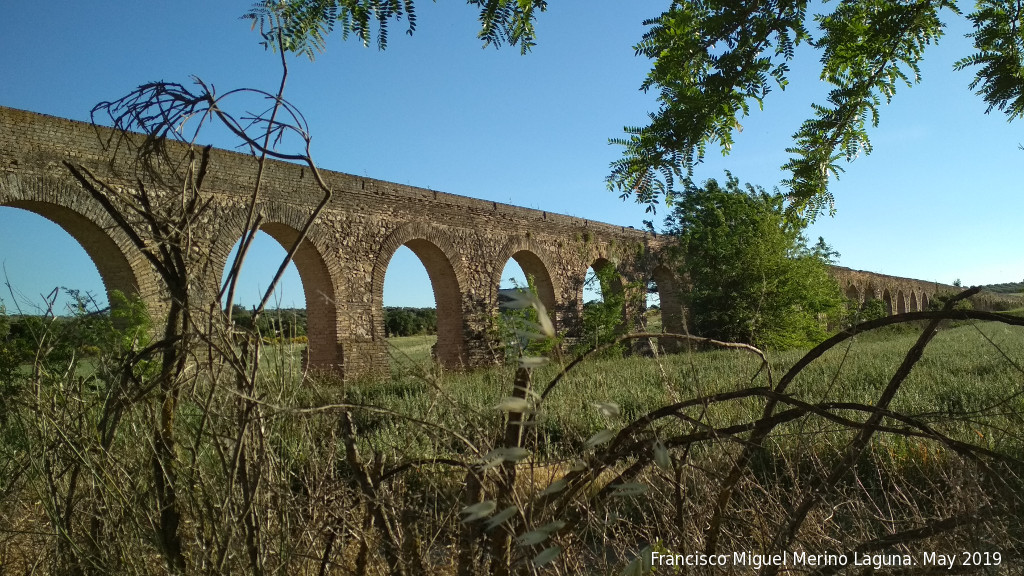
x: 463, y: 243
x: 896, y: 294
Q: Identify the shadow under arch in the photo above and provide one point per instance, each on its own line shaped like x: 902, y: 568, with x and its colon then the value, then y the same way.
x: 887, y: 301
x: 901, y: 302
x: 870, y: 293
x: 439, y: 257
x: 536, y: 265
x: 115, y: 268
x: 852, y: 294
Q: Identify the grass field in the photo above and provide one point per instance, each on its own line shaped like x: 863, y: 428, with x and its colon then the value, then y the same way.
x: 367, y: 476
x: 966, y: 373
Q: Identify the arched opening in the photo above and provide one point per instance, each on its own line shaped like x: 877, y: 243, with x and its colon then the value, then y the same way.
x: 887, y: 301
x: 853, y: 295
x: 925, y: 302
x: 53, y: 246
x: 524, y: 270
x: 302, y: 307
x: 603, y: 303
x: 870, y: 293
x: 670, y: 301
x: 402, y: 290
x: 901, y: 302
x: 914, y: 306
x: 525, y: 267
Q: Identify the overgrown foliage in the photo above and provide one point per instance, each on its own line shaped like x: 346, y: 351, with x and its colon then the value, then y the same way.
x: 517, y: 327
x: 301, y: 27
x: 714, y: 60
x: 589, y: 472
x: 205, y: 453
x: 604, y: 319
x: 276, y: 323
x: 753, y: 277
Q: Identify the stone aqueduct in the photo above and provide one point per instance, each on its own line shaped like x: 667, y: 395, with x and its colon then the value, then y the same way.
x: 898, y: 295
x: 463, y: 243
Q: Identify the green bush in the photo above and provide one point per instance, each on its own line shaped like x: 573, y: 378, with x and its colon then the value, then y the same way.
x: 754, y: 277
x: 603, y: 319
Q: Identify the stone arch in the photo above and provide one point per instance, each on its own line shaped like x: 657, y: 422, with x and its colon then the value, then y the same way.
x: 852, y: 294
x: 870, y: 293
x: 536, y: 264
x: 901, y: 302
x: 438, y: 255
x: 914, y: 303
x: 321, y: 297
x: 887, y: 300
x: 615, y: 285
x: 283, y: 223
x: 925, y: 301
x: 121, y: 266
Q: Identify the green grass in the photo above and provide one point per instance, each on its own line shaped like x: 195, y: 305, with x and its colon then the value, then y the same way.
x: 964, y: 385
x: 968, y: 386
x: 410, y: 352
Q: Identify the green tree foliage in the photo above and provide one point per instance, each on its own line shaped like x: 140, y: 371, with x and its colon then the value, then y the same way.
x: 60, y: 345
x: 301, y: 26
x: 603, y: 320
x: 940, y: 299
x: 409, y: 321
x: 714, y: 59
x: 754, y: 278
x: 1006, y: 288
x: 999, y: 39
x: 280, y: 322
x: 871, y: 309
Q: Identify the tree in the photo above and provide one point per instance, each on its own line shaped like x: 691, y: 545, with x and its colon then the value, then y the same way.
x: 714, y: 59
x: 301, y: 26
x: 754, y: 278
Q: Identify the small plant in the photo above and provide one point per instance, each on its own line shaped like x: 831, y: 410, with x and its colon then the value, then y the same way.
x: 517, y: 326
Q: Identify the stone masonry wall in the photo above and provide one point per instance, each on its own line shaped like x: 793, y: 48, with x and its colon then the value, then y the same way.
x: 463, y: 243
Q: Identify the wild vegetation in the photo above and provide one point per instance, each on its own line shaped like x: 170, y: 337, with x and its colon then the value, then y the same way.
x: 563, y: 469
x: 752, y: 277
x: 192, y: 442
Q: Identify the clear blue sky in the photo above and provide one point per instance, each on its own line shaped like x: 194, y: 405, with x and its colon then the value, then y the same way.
x: 940, y: 198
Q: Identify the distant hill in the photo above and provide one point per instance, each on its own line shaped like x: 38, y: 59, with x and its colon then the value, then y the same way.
x: 1006, y: 288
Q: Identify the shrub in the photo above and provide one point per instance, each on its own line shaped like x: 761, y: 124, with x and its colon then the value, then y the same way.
x: 754, y: 277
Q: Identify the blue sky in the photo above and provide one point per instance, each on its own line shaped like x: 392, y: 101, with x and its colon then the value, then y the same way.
x: 940, y: 197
